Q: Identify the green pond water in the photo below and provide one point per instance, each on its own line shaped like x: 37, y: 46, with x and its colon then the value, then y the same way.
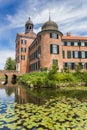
x: 42, y: 109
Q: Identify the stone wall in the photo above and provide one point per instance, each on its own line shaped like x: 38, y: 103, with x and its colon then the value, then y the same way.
x: 9, y: 72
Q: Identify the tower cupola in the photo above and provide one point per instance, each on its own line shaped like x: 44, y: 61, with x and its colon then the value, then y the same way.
x: 29, y: 26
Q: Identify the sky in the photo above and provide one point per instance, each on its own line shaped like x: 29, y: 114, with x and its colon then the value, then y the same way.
x: 70, y: 15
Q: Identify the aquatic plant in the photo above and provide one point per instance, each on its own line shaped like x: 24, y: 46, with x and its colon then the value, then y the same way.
x: 56, y: 114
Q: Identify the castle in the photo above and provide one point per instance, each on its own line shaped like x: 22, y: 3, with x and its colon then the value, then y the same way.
x: 48, y: 47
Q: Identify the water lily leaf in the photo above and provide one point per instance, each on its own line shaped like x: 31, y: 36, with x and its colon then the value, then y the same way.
x: 1, y: 126
x: 40, y: 129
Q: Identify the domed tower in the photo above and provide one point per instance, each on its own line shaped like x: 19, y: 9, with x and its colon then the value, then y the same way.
x: 51, y: 47
x: 50, y: 25
x: 28, y: 26
x: 23, y: 41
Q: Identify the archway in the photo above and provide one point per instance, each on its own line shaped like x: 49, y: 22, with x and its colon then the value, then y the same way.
x: 5, y: 80
x: 14, y: 79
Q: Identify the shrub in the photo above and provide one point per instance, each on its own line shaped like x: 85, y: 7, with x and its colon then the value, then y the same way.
x: 66, y: 69
x: 78, y: 68
x: 52, y: 72
x: 43, y: 69
x: 65, y: 77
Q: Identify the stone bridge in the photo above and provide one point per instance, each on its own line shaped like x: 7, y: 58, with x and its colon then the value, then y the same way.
x: 9, y: 73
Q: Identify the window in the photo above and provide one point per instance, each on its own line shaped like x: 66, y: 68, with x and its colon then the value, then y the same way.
x: 55, y: 62
x: 68, y: 54
x: 23, y: 49
x: 85, y: 54
x: 17, y: 59
x: 72, y: 43
x: 23, y: 41
x: 86, y: 65
x: 22, y: 57
x: 63, y: 43
x: 85, y: 43
x: 75, y: 54
x: 63, y: 54
x: 83, y: 65
x: 35, y: 66
x: 75, y: 43
x: 70, y: 65
x: 54, y: 49
x: 53, y: 35
x: 17, y: 51
x: 82, y: 43
x: 68, y: 43
x: 82, y: 54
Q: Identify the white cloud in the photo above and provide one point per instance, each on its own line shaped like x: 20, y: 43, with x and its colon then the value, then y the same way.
x: 64, y: 13
x: 4, y: 54
x: 37, y: 30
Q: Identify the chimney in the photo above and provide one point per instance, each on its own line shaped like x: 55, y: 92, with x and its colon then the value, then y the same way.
x: 68, y: 34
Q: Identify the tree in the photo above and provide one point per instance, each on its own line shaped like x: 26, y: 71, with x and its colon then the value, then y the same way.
x: 78, y: 68
x: 10, y: 64
x: 52, y: 72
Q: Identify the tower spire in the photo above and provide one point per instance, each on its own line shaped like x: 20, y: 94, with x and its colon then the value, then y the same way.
x: 49, y: 16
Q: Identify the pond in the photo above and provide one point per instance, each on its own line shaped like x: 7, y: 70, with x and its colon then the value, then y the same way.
x: 22, y: 108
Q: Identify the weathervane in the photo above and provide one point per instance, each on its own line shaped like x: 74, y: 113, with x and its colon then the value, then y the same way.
x: 49, y: 16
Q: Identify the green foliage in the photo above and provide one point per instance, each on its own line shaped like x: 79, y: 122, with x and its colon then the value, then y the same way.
x: 52, y: 72
x: 56, y: 114
x: 78, y: 68
x: 81, y: 77
x: 53, y: 78
x: 66, y: 69
x: 37, y: 79
x: 43, y: 69
x: 65, y: 77
x: 10, y: 64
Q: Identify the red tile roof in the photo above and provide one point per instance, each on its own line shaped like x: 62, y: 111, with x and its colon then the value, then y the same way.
x: 73, y: 38
x: 30, y: 34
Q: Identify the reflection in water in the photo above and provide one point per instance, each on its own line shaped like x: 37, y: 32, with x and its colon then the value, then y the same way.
x: 14, y: 116
x: 6, y: 94
x: 23, y: 96
x: 39, y: 96
x: 10, y: 91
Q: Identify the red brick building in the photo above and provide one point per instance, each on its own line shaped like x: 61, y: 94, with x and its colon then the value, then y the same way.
x: 49, y: 47
x: 23, y: 41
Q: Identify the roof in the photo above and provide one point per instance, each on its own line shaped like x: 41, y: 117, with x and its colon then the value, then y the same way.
x: 50, y: 25
x: 73, y: 38
x: 29, y: 21
x: 30, y: 34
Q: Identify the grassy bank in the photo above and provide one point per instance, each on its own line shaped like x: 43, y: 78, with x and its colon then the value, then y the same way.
x: 48, y: 79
